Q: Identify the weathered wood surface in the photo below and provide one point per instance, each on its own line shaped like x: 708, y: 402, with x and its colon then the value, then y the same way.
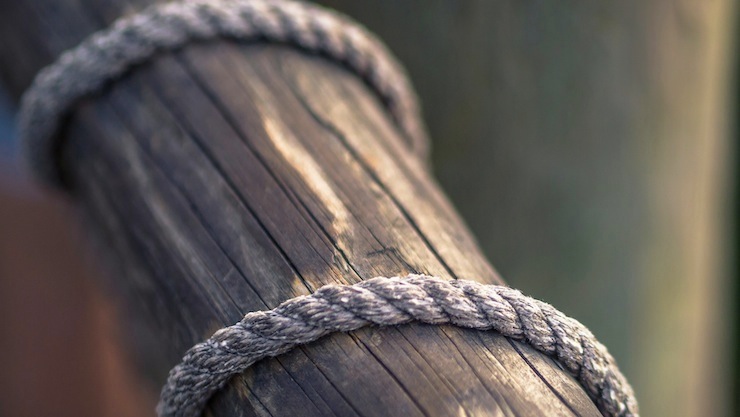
x: 228, y: 178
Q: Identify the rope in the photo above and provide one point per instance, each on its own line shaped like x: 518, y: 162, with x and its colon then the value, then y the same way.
x: 110, y: 53
x: 208, y: 366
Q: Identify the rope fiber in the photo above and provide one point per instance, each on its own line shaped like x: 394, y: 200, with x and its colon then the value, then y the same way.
x: 110, y: 53
x: 381, y: 301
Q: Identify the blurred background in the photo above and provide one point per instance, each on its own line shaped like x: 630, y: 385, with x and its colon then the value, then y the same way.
x: 591, y: 147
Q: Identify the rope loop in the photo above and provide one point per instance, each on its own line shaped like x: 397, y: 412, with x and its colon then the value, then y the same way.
x: 381, y: 301
x: 110, y: 53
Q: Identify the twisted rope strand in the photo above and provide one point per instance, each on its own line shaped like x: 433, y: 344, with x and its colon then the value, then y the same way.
x: 208, y: 366
x: 108, y: 54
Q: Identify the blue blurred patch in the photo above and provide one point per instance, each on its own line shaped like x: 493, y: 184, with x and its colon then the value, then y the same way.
x: 8, y: 145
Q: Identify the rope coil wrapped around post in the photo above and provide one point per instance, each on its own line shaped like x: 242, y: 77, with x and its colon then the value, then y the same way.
x: 208, y: 366
x: 110, y: 53
x: 389, y: 302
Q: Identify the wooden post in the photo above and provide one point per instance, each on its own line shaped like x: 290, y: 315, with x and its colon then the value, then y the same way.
x: 227, y: 178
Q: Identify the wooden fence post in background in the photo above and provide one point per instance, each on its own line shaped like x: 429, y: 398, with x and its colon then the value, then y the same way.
x: 227, y: 178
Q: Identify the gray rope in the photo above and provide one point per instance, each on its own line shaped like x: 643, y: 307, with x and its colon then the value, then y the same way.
x: 108, y: 54
x: 208, y: 366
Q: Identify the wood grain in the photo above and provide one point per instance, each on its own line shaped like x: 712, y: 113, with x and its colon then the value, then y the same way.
x: 227, y: 178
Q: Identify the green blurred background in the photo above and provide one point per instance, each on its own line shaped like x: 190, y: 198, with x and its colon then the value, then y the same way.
x: 591, y: 148
x: 588, y: 145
